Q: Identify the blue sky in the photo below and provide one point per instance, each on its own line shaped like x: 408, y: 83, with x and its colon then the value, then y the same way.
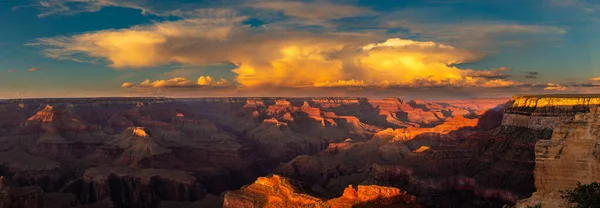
x: 462, y: 48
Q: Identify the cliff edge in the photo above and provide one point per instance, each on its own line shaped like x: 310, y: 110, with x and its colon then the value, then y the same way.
x: 572, y: 154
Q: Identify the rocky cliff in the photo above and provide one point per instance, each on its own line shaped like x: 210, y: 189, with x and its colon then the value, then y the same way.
x: 21, y: 197
x: 276, y: 191
x: 571, y: 155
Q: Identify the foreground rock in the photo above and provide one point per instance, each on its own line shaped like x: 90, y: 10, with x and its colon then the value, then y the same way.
x: 572, y: 154
x: 23, y: 197
x: 276, y: 191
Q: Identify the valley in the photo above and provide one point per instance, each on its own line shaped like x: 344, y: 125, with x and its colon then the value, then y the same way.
x: 244, y: 152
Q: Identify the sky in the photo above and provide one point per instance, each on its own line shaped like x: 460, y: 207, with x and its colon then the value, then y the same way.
x: 369, y: 48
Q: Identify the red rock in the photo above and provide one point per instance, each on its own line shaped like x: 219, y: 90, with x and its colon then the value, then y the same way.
x: 276, y: 191
x: 280, y: 106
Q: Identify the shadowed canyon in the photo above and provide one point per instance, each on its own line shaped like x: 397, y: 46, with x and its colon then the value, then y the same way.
x: 296, y: 152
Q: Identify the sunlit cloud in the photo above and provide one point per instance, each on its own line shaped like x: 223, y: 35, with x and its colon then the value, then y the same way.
x: 140, y: 46
x: 555, y: 87
x: 174, y: 82
x: 181, y: 82
x: 273, y: 57
x: 128, y: 85
x: 209, y: 81
x: 32, y: 69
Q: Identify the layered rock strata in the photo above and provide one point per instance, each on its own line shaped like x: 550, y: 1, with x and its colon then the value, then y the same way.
x: 276, y: 191
x: 571, y: 154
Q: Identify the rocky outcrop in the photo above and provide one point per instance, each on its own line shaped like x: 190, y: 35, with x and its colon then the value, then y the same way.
x: 276, y: 191
x: 127, y: 187
x: 451, y: 124
x: 137, y: 145
x: 571, y: 154
x: 22, y: 197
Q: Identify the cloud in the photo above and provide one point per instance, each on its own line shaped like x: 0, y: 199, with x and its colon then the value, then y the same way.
x: 315, y: 12
x: 11, y: 71
x: 32, y: 69
x: 128, y: 85
x: 141, y: 46
x: 498, y: 73
x: 209, y: 81
x: 181, y: 82
x: 272, y: 57
x: 70, y: 7
x: 531, y: 75
x: 555, y: 87
x: 584, y: 6
x: 595, y: 79
x: 174, y: 82
x: 481, y: 34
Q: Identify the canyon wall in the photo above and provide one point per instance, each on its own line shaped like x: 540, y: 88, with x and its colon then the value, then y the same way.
x: 571, y: 155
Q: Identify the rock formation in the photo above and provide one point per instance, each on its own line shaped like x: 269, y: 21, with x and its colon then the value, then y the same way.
x: 22, y: 197
x: 473, y: 159
x: 571, y: 154
x: 276, y: 191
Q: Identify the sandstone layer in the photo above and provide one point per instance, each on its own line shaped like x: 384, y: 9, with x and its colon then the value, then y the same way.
x: 571, y: 155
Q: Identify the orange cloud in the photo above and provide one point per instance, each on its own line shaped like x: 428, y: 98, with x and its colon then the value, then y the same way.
x: 32, y: 69
x: 175, y: 82
x: 555, y: 87
x: 595, y: 79
x: 209, y: 81
x: 278, y: 58
x: 180, y: 82
x: 128, y: 85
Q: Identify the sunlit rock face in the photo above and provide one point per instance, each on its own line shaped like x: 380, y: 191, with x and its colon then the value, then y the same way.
x: 449, y: 125
x: 571, y: 155
x: 276, y: 191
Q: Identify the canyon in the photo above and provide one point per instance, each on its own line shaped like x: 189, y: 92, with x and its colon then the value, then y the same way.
x: 278, y: 152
